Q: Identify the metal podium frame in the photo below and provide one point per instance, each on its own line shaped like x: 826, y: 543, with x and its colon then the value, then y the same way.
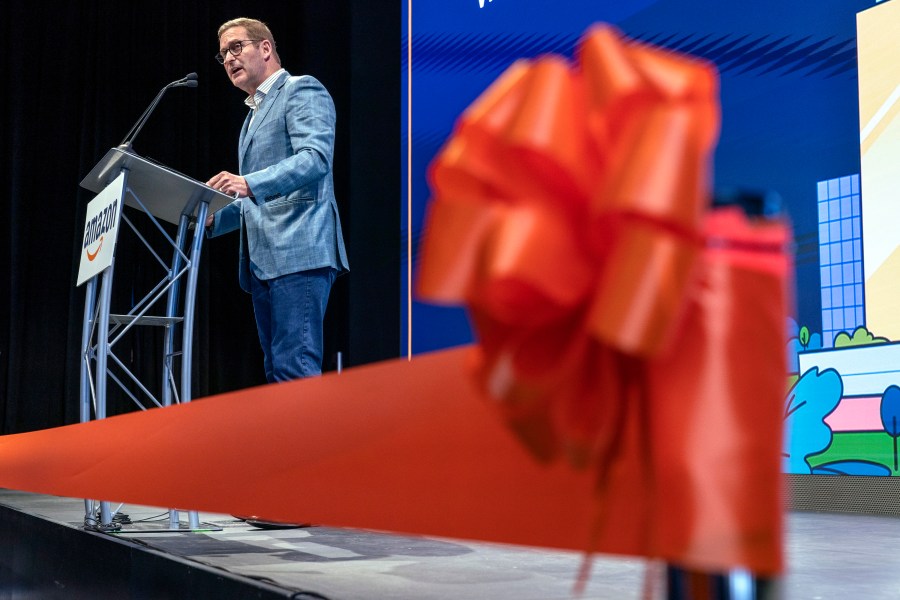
x: 164, y: 195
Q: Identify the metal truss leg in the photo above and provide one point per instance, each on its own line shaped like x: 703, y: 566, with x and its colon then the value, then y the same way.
x: 190, y: 295
x: 86, y: 395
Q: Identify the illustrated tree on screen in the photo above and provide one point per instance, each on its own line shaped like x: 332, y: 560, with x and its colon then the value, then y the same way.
x: 890, y: 415
x: 800, y: 339
x: 815, y: 395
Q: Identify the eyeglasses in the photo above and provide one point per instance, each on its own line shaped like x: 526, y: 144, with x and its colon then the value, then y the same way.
x: 235, y: 48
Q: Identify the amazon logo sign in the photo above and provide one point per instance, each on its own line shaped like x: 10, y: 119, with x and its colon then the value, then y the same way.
x: 96, y: 227
x: 101, y: 226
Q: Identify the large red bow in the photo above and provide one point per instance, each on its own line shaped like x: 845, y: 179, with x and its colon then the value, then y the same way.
x: 566, y: 213
x: 617, y: 318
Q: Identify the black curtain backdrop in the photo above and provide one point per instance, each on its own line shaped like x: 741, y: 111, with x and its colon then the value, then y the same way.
x: 78, y: 75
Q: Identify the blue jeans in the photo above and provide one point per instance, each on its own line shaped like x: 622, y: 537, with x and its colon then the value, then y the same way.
x: 289, y: 314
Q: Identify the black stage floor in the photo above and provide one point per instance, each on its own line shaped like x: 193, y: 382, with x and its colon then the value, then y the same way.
x: 45, y: 553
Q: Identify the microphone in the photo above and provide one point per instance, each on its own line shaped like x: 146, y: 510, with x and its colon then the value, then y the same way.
x: 189, y: 80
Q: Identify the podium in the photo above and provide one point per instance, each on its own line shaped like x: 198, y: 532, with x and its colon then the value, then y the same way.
x: 165, y: 196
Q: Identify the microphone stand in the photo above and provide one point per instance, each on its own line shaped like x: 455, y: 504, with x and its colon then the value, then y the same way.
x: 190, y: 80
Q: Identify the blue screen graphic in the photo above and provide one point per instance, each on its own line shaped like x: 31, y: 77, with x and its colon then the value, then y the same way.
x: 789, y: 96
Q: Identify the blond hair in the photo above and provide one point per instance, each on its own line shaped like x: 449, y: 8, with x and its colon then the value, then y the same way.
x: 255, y: 28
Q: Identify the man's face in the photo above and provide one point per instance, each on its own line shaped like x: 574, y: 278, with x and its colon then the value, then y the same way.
x: 247, y: 69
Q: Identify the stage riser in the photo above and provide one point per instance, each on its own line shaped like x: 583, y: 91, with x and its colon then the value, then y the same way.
x: 44, y: 560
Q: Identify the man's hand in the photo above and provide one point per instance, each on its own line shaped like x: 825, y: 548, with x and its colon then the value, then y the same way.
x: 229, y: 183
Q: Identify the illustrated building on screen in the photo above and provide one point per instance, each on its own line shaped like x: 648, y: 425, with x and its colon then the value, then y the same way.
x: 840, y: 257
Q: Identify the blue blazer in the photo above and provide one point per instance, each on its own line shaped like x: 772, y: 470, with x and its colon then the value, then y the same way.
x: 291, y: 223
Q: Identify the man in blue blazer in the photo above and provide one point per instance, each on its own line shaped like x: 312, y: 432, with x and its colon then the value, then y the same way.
x: 291, y: 247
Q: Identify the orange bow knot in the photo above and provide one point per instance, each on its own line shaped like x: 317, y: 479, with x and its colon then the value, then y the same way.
x: 566, y: 213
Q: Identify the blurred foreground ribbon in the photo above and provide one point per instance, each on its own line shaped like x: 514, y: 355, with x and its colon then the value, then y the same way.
x: 618, y: 318
x: 622, y: 325
x: 566, y: 215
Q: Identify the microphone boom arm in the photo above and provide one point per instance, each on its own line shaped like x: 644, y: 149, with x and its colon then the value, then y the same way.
x: 190, y: 80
